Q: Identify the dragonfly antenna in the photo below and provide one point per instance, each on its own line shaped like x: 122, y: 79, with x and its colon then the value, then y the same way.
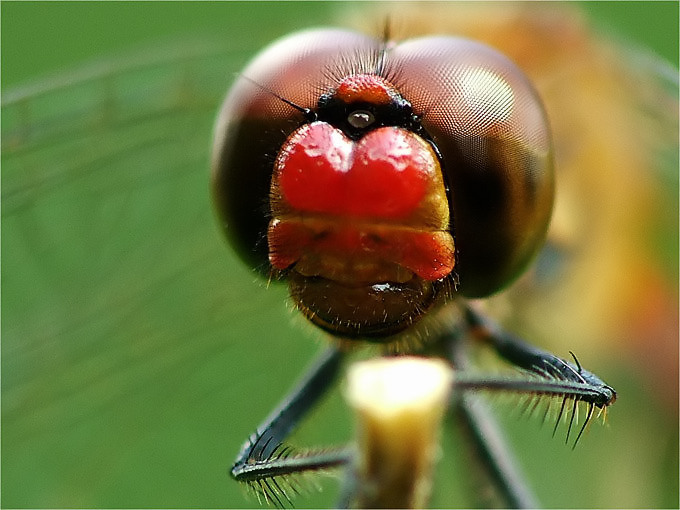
x: 307, y: 112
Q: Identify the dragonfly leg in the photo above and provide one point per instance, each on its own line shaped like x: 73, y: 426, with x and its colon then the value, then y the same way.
x: 546, y: 375
x: 530, y: 358
x: 264, y: 462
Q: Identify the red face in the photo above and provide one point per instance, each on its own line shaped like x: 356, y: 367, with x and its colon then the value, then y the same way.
x: 379, y: 180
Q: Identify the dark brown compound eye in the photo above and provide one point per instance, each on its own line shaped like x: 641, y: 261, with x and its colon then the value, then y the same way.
x: 383, y: 181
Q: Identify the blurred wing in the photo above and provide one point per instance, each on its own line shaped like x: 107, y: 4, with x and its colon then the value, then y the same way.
x: 127, y: 325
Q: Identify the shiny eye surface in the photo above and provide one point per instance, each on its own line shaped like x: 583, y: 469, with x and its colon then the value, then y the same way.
x: 438, y: 146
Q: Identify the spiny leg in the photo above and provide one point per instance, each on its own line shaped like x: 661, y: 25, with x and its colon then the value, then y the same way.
x: 546, y: 375
x: 577, y: 383
x: 528, y: 357
x: 263, y: 459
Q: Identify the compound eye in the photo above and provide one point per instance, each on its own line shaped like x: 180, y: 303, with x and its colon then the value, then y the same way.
x: 492, y: 134
x: 360, y: 119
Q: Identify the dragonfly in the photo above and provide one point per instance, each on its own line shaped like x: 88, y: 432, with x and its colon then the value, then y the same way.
x: 138, y: 353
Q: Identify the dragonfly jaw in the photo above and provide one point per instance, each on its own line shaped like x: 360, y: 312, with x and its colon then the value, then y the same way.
x: 375, y: 311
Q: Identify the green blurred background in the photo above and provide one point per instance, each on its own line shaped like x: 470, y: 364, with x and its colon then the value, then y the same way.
x: 137, y: 353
